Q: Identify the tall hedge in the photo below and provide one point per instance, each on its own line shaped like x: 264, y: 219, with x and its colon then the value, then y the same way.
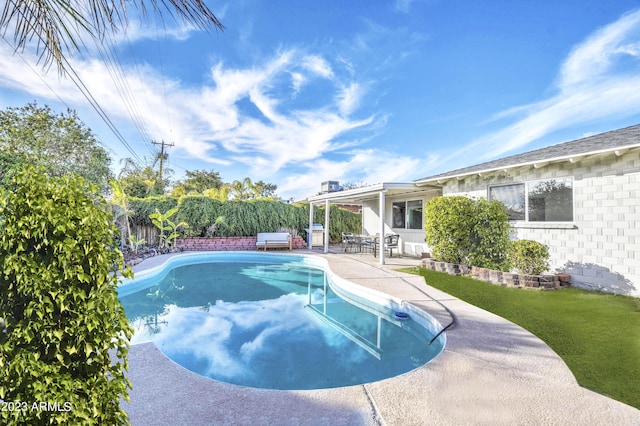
x: 247, y: 218
x: 340, y: 220
x: 60, y: 317
x: 143, y: 207
x: 197, y: 211
x: 473, y: 232
x: 243, y: 218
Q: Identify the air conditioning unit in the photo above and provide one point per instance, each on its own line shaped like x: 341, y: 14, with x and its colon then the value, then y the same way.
x: 330, y: 186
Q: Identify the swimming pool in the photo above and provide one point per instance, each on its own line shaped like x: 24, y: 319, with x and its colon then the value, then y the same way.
x: 275, y: 321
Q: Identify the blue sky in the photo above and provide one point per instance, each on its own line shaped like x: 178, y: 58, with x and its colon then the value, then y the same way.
x: 296, y: 93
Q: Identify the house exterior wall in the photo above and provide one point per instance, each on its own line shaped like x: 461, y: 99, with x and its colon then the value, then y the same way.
x: 412, y: 241
x: 601, y: 247
x: 370, y: 217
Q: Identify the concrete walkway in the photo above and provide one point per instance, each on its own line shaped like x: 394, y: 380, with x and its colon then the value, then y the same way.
x: 491, y: 372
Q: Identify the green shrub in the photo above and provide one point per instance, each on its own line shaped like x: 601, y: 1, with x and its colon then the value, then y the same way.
x: 199, y: 212
x: 529, y: 257
x: 143, y: 207
x: 449, y: 226
x: 60, y: 318
x: 164, y: 223
x: 490, y: 242
x: 461, y: 230
x: 340, y: 220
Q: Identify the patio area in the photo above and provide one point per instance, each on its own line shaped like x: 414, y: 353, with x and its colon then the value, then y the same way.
x: 490, y: 372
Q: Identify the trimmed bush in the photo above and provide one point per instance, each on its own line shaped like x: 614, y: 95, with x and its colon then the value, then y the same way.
x: 490, y: 242
x: 464, y: 231
x: 449, y: 226
x: 64, y: 336
x: 529, y: 257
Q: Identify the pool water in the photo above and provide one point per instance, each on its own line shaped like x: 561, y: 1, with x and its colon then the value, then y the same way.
x: 275, y: 325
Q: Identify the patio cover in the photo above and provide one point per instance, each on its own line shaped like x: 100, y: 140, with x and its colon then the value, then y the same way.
x: 378, y: 191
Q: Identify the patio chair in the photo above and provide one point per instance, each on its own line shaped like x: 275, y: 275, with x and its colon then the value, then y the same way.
x: 390, y: 242
x: 348, y: 240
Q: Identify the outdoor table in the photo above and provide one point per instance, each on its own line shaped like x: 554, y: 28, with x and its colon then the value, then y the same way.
x: 364, y: 240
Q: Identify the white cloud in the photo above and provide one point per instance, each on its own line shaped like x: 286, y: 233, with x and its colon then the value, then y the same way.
x: 297, y: 81
x: 317, y: 65
x: 592, y: 60
x: 208, y: 122
x: 349, y: 98
x: 137, y: 30
x: 370, y: 166
x: 211, y: 122
x: 591, y: 85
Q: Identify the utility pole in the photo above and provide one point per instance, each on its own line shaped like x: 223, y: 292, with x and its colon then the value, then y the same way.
x: 162, y: 145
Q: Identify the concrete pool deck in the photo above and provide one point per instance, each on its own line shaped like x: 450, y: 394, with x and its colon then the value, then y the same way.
x: 490, y: 372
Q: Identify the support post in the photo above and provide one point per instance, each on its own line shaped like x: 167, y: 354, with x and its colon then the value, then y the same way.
x: 310, y: 233
x: 382, y: 219
x: 326, y: 226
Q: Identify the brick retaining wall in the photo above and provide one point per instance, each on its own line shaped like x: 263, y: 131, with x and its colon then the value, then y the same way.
x: 498, y: 277
x: 226, y: 243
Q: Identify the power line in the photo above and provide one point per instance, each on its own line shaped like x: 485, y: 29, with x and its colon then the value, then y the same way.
x: 164, y: 86
x: 85, y: 91
x: 75, y: 78
x: 114, y: 66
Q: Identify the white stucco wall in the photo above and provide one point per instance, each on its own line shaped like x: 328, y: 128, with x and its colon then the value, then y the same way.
x: 601, y: 248
x: 412, y: 241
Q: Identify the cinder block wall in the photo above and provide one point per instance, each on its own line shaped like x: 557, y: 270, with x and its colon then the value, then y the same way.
x: 601, y: 248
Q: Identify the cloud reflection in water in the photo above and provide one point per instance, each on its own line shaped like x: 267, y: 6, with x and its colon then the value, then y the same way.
x: 275, y: 343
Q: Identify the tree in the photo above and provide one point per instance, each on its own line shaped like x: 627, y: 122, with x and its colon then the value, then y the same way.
x: 242, y: 189
x: 58, y: 26
x: 198, y: 181
x: 61, y: 143
x: 64, y: 336
x: 264, y: 190
x: 140, y: 182
x: 353, y: 185
x: 121, y: 210
x: 245, y: 189
x: 220, y: 194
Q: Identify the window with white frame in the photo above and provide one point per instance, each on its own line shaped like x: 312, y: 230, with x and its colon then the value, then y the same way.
x: 549, y: 200
x: 407, y: 214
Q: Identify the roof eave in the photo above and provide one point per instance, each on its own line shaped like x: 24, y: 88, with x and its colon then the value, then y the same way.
x: 363, y: 192
x: 440, y: 179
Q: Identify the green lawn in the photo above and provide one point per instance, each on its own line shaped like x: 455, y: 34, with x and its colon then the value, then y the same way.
x: 596, y: 334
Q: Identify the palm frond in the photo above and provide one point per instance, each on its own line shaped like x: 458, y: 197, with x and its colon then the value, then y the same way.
x: 56, y: 25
